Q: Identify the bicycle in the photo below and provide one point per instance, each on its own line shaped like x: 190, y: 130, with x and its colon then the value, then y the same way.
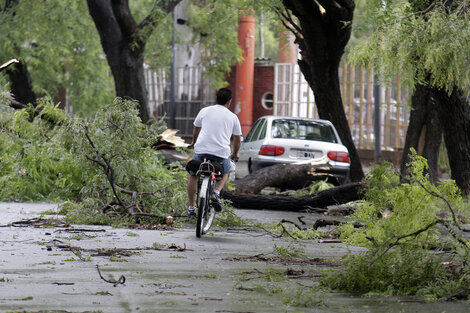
x: 205, y: 187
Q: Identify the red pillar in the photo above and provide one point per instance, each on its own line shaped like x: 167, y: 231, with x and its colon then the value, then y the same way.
x: 245, y: 71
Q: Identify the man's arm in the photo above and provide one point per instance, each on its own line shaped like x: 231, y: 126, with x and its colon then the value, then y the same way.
x: 196, y: 131
x: 235, y: 146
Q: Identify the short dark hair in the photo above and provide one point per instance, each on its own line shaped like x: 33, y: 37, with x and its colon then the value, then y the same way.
x: 223, y: 96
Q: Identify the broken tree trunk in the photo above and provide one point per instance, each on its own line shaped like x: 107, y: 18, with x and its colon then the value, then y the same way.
x: 337, y: 195
x: 286, y: 176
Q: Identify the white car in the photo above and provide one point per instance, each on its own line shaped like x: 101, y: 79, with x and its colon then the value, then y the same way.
x: 280, y: 140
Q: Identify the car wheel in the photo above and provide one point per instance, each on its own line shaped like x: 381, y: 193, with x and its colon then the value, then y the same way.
x: 250, y: 168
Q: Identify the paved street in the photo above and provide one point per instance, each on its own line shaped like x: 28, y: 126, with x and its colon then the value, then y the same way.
x: 235, y: 270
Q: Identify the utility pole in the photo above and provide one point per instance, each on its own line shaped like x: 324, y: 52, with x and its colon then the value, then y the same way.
x: 377, y: 124
x: 172, y: 109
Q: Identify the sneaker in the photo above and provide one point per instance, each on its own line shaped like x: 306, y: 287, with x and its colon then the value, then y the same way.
x: 215, y: 201
x: 191, y: 212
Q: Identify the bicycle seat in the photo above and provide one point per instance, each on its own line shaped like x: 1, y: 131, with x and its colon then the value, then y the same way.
x: 195, y: 166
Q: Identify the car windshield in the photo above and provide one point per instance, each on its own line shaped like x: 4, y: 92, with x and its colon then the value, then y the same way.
x: 302, y: 129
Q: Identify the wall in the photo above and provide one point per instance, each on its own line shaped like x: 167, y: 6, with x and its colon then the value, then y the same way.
x: 263, y: 82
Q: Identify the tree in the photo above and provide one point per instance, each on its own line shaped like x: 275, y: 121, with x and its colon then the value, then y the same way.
x: 18, y: 73
x: 124, y: 41
x: 427, y: 43
x: 424, y: 132
x: 20, y: 82
x: 322, y: 32
x: 57, y: 49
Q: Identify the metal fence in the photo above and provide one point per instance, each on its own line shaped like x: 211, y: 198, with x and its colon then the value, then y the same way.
x: 193, y: 92
x: 293, y: 97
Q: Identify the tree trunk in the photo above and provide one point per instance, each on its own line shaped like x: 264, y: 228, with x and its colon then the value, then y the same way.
x: 424, y: 132
x: 332, y: 196
x: 330, y: 107
x: 123, y: 42
x: 129, y: 80
x: 454, y: 114
x: 286, y: 176
x: 20, y: 79
x: 21, y: 85
x: 322, y: 35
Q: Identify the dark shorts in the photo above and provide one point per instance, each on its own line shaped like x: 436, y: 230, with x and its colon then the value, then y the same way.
x: 225, y: 162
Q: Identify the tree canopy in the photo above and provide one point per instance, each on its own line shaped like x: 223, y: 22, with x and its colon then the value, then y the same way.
x: 60, y: 45
x: 427, y: 43
x: 416, y: 38
x: 58, y: 42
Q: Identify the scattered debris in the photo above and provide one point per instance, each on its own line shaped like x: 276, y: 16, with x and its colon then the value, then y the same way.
x: 120, y: 281
x: 339, y: 210
x: 80, y: 230
x: 169, y: 140
x: 170, y: 293
x: 38, y: 222
x: 169, y: 220
x: 322, y: 223
x: 284, y: 260
x: 330, y: 241
x: 117, y: 252
x: 150, y: 226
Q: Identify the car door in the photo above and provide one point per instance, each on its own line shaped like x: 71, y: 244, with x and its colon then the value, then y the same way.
x: 256, y: 142
x: 244, y: 152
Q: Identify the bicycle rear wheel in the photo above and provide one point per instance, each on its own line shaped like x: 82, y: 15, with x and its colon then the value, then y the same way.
x: 205, y: 212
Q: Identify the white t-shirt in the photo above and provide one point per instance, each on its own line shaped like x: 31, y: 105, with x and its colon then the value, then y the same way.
x: 217, y: 124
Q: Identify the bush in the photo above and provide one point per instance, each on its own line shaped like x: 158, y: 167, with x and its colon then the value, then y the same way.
x: 107, y: 163
x: 35, y: 162
x: 403, y: 225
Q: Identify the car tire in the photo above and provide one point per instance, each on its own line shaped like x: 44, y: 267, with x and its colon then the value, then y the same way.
x: 250, y: 168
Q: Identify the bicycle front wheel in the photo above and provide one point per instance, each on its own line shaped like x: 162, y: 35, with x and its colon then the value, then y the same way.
x: 205, y: 212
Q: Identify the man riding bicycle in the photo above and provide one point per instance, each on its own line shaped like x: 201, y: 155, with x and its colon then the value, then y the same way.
x: 214, y: 127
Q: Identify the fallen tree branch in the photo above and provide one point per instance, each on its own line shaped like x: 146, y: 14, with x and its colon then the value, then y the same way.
x: 79, y: 230
x: 293, y: 223
x: 399, y: 238
x: 131, y: 206
x: 288, y: 176
x: 322, y: 223
x: 463, y: 242
x: 285, y: 231
x: 446, y: 201
x: 121, y: 279
x: 337, y: 195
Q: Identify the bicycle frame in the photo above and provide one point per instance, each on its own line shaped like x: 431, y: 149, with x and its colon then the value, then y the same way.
x: 206, y: 185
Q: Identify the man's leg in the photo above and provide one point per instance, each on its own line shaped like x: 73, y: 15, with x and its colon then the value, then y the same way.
x: 221, y: 183
x: 192, y: 189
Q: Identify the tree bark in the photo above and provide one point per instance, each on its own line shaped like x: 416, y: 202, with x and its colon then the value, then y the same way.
x: 454, y: 114
x: 337, y: 195
x: 20, y: 79
x: 324, y: 30
x: 424, y: 132
x: 20, y: 83
x: 286, y: 176
x: 123, y: 42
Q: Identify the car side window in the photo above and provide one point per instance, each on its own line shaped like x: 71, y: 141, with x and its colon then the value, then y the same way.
x: 258, y: 130
x: 249, y: 137
x: 262, y: 133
